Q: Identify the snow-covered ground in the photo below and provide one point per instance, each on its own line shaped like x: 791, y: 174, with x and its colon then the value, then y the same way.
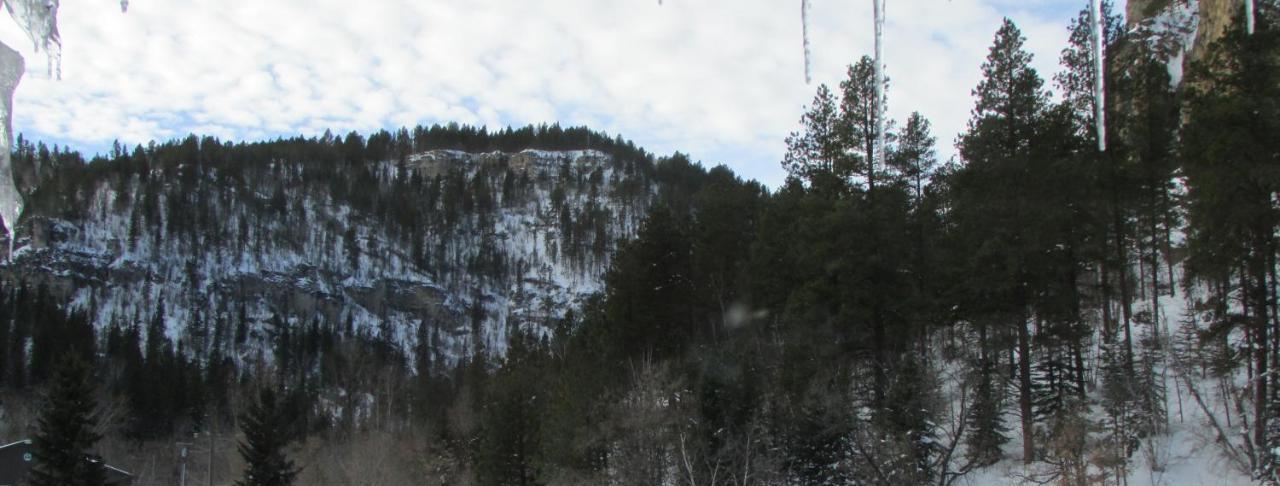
x: 1188, y: 454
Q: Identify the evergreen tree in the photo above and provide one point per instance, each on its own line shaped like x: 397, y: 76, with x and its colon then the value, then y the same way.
x: 18, y: 339
x: 5, y: 326
x: 987, y: 433
x: 858, y: 121
x: 815, y: 154
x: 1230, y: 154
x: 509, y: 443
x: 650, y: 298
x: 66, y: 430
x: 726, y: 213
x: 266, y: 434
x: 914, y: 159
x: 996, y: 197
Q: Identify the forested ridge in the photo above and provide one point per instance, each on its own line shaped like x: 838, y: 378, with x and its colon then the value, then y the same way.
x: 900, y: 321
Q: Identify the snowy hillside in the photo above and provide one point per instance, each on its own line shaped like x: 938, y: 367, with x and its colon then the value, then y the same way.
x: 459, y: 248
x: 1189, y: 450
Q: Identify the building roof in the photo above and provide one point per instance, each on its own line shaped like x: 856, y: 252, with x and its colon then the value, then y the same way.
x: 16, y: 459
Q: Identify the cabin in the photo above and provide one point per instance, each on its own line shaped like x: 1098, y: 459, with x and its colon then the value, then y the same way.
x: 16, y: 459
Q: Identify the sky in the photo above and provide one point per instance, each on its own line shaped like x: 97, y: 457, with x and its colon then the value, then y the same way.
x: 720, y: 80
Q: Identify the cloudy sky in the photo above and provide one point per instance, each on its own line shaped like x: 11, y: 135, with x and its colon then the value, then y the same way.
x: 722, y: 80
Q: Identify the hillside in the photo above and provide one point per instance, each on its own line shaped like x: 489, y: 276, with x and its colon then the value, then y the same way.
x: 393, y: 243
x: 453, y: 305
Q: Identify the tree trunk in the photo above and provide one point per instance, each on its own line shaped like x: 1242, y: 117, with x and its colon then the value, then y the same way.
x: 1155, y: 282
x: 1104, y: 282
x: 1077, y: 334
x: 1126, y: 312
x: 1260, y: 321
x: 1024, y: 388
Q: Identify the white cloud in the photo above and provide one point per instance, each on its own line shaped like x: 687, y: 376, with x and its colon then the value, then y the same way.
x: 722, y: 80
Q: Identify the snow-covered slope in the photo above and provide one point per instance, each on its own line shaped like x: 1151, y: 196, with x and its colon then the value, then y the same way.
x: 1171, y: 33
x: 1187, y: 452
x: 453, y: 247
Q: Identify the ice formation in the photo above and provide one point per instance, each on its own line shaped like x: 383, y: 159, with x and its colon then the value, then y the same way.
x: 1248, y: 16
x: 880, y: 111
x: 39, y: 19
x: 804, y: 32
x: 1099, y: 71
x: 11, y: 67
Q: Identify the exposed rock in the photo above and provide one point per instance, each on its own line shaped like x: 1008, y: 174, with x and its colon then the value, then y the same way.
x: 1215, y: 17
x: 1212, y: 18
x: 1138, y: 10
x: 278, y: 247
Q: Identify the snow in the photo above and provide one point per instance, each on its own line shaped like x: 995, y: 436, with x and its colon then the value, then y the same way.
x: 300, y: 271
x: 1186, y: 454
x: 1172, y: 33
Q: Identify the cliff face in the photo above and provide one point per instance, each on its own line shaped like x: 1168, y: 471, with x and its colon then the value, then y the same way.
x: 1137, y: 10
x: 1215, y: 16
x: 450, y: 246
x: 1208, y: 22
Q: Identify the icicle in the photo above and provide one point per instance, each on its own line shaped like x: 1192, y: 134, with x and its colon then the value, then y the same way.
x: 11, y: 68
x: 880, y: 111
x: 39, y: 19
x: 804, y: 32
x: 1099, y: 71
x: 1248, y: 16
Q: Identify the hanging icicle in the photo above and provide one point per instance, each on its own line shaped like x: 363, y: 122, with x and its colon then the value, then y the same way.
x: 804, y: 32
x: 39, y: 20
x: 879, y: 104
x: 1248, y: 16
x: 11, y: 69
x: 1099, y: 71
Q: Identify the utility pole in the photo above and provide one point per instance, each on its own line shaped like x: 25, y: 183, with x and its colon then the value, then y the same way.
x: 182, y: 478
x: 209, y: 481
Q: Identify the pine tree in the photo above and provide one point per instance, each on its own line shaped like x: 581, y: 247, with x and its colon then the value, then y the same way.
x: 5, y: 318
x: 266, y: 433
x: 914, y: 158
x: 814, y: 154
x: 858, y: 121
x: 66, y: 430
x: 509, y: 438
x: 997, y: 195
x: 987, y: 433
x: 650, y: 294
x: 18, y: 339
x: 1230, y: 154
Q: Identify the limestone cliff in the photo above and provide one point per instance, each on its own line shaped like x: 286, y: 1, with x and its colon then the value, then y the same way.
x: 1211, y: 17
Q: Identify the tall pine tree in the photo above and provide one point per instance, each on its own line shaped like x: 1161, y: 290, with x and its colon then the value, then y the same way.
x: 266, y: 433
x: 996, y: 198
x: 1231, y: 154
x: 66, y: 430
